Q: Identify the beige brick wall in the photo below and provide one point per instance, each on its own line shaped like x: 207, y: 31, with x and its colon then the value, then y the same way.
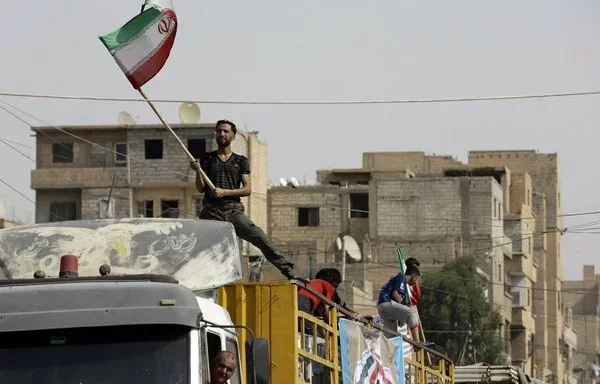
x: 312, y: 248
x: 586, y: 316
x: 417, y: 162
x: 256, y: 203
x: 544, y: 170
x: 89, y: 177
x: 81, y: 149
x: 91, y: 197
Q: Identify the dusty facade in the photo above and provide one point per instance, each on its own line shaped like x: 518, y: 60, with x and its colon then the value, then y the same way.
x: 502, y: 207
x: 145, y: 167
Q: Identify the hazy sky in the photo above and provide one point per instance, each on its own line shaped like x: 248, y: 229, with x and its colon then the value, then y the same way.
x: 333, y: 50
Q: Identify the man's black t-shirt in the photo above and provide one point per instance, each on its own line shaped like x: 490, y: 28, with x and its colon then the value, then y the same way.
x: 223, y: 174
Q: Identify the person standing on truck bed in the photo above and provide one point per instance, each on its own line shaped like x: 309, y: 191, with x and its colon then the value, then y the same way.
x: 415, y: 290
x: 390, y: 304
x: 222, y: 367
x: 230, y: 173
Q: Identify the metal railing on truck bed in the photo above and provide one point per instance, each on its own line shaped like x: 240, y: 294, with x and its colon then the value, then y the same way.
x: 270, y: 310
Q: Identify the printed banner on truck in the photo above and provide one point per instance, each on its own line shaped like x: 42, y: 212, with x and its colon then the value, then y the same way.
x: 201, y: 254
x: 368, y: 357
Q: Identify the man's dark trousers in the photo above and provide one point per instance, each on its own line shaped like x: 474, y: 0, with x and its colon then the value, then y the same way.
x: 245, y: 229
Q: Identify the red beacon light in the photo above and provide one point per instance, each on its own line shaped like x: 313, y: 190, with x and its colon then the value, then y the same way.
x: 68, y: 266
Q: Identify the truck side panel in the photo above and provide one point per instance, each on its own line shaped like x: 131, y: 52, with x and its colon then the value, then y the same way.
x: 270, y: 310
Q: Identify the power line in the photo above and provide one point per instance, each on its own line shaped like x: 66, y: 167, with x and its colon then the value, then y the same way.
x: 17, y: 191
x: 309, y: 102
x: 17, y: 143
x: 335, y: 207
x: 467, y: 219
x: 164, y: 169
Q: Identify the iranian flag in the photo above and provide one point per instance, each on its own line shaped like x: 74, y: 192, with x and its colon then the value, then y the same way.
x: 141, y: 47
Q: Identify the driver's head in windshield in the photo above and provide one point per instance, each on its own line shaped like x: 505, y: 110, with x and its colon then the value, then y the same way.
x: 222, y: 367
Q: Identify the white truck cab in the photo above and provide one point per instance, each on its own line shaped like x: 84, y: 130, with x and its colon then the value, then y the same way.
x: 140, y: 325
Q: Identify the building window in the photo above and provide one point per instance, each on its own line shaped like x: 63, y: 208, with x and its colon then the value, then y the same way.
x: 62, y: 152
x: 153, y: 148
x: 495, y: 209
x: 308, y: 217
x: 169, y: 208
x: 63, y: 211
x: 359, y: 205
x: 120, y: 153
x: 145, y: 208
x: 197, y: 147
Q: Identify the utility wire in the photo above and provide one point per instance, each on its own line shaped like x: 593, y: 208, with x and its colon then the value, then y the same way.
x: 467, y: 219
x: 337, y: 207
x: 17, y: 191
x: 309, y: 102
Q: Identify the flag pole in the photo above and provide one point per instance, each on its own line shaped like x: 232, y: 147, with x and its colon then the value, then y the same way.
x: 189, y: 155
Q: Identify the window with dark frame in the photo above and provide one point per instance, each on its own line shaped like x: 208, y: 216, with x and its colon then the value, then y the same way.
x: 308, y: 216
x: 62, y: 152
x: 197, y: 147
x: 63, y: 211
x: 169, y: 209
x: 153, y: 148
x: 120, y: 153
x: 145, y: 208
x: 359, y: 205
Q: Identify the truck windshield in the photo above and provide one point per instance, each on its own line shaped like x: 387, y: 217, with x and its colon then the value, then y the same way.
x: 145, y: 354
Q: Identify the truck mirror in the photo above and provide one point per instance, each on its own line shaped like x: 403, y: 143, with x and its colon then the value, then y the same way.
x: 258, y: 362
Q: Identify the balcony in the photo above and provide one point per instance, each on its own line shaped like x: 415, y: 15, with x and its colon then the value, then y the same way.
x: 522, y: 318
x: 521, y: 265
x: 48, y: 178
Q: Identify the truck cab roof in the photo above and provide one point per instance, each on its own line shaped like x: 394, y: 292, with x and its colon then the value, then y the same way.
x: 98, y: 301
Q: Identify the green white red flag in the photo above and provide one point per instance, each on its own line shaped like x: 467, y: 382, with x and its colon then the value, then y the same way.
x: 141, y: 47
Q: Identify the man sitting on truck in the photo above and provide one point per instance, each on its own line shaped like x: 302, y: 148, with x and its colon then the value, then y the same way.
x: 222, y: 367
x: 392, y: 305
x: 326, y: 282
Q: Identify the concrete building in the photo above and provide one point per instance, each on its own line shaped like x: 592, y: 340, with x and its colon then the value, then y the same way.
x: 569, y: 351
x: 503, y: 207
x: 434, y: 218
x: 548, y: 307
x: 582, y: 296
x: 305, y: 224
x: 141, y: 167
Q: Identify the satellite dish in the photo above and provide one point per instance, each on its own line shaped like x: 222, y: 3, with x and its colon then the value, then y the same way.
x: 338, y: 243
x: 283, y: 182
x: 189, y: 113
x: 294, y: 182
x: 352, y: 248
x: 126, y: 119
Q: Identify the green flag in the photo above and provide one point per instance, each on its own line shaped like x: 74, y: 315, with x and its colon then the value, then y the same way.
x: 405, y: 299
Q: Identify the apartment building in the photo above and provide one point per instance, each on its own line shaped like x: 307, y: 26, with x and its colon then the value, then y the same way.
x: 583, y: 298
x: 544, y: 170
x: 503, y: 207
x: 91, y: 172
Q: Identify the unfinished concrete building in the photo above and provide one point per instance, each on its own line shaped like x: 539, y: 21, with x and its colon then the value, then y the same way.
x: 140, y: 168
x: 503, y: 208
x: 583, y: 297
